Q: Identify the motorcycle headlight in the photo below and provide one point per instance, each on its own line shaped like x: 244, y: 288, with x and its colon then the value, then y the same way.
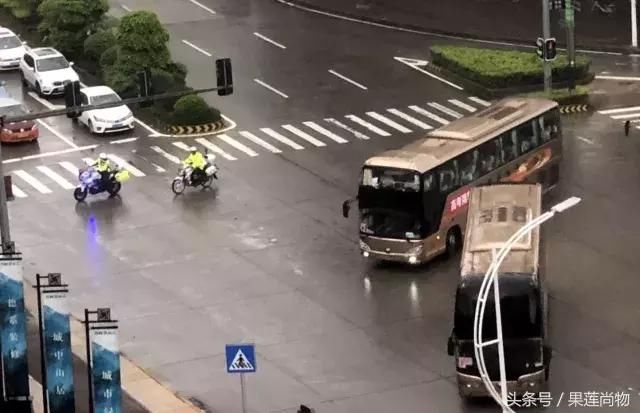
x: 364, y: 246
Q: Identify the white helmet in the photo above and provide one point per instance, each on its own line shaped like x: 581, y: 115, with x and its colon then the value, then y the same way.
x: 193, y: 149
x: 103, y: 156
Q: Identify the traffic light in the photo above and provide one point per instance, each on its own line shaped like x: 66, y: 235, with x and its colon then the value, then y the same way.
x: 540, y: 49
x: 72, y: 98
x: 550, y: 49
x: 144, y: 87
x: 224, y: 77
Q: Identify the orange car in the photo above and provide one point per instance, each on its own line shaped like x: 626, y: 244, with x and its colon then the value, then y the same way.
x: 16, y: 131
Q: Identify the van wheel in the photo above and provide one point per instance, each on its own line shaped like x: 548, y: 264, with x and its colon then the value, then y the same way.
x: 453, y: 242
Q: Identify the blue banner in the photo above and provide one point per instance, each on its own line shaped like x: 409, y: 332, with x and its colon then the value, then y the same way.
x: 13, y: 332
x: 57, y: 352
x: 105, y: 361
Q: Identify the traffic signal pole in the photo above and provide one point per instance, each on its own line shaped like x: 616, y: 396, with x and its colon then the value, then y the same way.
x: 546, y: 33
x: 8, y: 246
x: 569, y: 17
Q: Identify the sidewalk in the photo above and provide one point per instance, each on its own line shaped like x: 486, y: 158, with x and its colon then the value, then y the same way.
x: 499, y: 20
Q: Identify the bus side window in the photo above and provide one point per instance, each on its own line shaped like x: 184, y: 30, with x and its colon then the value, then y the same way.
x: 527, y: 137
x: 469, y: 166
x: 509, y: 146
x: 550, y: 125
x: 432, y: 204
x: 489, y: 152
x: 449, y: 176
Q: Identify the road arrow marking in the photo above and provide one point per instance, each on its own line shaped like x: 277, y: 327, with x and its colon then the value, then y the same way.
x: 414, y: 63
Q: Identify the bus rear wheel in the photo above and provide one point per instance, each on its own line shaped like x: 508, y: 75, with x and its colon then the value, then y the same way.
x: 453, y: 241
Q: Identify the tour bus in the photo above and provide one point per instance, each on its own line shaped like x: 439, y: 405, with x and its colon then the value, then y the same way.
x: 413, y: 200
x: 495, y: 213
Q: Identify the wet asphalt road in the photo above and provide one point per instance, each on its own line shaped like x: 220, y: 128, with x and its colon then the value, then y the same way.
x: 267, y: 258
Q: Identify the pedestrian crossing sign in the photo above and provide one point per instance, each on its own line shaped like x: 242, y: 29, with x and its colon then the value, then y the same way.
x: 241, y: 358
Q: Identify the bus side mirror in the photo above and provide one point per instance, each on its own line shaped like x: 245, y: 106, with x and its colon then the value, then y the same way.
x: 450, y: 346
x: 346, y: 206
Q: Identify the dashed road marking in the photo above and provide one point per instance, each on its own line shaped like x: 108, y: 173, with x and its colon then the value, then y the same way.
x: 266, y: 39
x: 193, y: 46
x: 202, y: 6
x: 271, y: 88
x: 346, y: 79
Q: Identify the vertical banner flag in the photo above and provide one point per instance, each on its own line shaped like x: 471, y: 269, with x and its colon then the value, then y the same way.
x: 13, y: 334
x: 58, y: 355
x: 105, y: 359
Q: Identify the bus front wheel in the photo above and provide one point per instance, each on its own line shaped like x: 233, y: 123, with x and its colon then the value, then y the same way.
x: 453, y: 241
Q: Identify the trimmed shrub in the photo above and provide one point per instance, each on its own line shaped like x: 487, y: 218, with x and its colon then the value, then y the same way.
x: 498, y: 69
x: 109, y: 57
x: 193, y: 110
x: 98, y: 43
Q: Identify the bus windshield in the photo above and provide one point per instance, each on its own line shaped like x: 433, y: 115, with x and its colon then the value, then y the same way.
x: 386, y: 178
x: 519, y: 305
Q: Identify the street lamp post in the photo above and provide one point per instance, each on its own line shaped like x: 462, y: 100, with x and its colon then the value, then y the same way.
x: 634, y: 24
x: 491, y: 279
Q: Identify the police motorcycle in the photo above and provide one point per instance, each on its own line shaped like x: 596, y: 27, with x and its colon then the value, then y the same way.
x: 91, y: 182
x: 184, y: 177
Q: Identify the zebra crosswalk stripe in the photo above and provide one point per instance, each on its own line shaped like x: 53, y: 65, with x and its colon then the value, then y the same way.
x: 70, y: 167
x: 445, y: 109
x: 627, y: 116
x: 303, y: 135
x: 126, y: 165
x: 253, y: 138
x: 428, y: 114
x: 462, y: 105
x: 275, y: 135
x: 216, y: 149
x: 372, y: 128
x: 410, y: 119
x: 388, y: 122
x: 55, y: 177
x: 339, y: 124
x: 325, y: 132
x: 232, y: 142
x: 480, y: 101
x: 37, y: 185
x: 619, y: 110
x: 165, y: 154
x: 18, y: 192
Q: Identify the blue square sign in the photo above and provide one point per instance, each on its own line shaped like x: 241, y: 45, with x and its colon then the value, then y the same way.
x: 241, y: 358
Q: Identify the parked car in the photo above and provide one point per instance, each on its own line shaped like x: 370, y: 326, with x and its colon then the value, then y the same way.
x: 16, y: 131
x: 45, y: 69
x: 11, y: 49
x: 115, y: 119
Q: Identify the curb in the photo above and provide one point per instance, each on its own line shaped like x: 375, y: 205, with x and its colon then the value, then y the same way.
x: 504, y: 41
x: 189, y: 130
x: 572, y: 109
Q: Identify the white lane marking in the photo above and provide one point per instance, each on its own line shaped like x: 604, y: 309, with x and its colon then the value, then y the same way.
x: 58, y: 134
x: 253, y: 138
x: 228, y: 139
x: 158, y: 167
x: 182, y: 146
x: 462, y: 105
x: 18, y: 192
x: 445, y: 109
x: 126, y: 165
x: 303, y: 135
x: 215, y: 149
x: 430, y: 34
x: 39, y: 186
x: 266, y: 39
x: 271, y: 88
x: 388, y: 122
x: 627, y: 116
x: 325, y: 132
x: 147, y: 127
x: 55, y: 176
x: 480, y: 101
x: 619, y: 110
x: 372, y: 128
x: 204, y: 52
x: 48, y: 154
x: 44, y: 102
x: 346, y: 79
x: 428, y: 114
x: 202, y: 6
x: 410, y: 119
x: 125, y: 8
x: 411, y: 64
x: 126, y: 140
x: 167, y: 155
x: 589, y: 141
x: 339, y: 124
x: 70, y: 167
x: 628, y: 78
x: 275, y: 135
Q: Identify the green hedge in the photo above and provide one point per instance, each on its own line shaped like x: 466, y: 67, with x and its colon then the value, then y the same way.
x: 193, y: 110
x: 498, y: 69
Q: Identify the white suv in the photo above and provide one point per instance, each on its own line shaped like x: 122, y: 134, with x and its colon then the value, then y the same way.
x: 46, y: 69
x: 11, y: 49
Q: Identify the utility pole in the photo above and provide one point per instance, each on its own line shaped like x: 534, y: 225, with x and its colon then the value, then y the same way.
x: 546, y: 34
x: 8, y: 247
x: 634, y: 24
x: 569, y: 17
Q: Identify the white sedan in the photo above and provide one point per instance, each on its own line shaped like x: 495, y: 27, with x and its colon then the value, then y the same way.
x: 114, y: 119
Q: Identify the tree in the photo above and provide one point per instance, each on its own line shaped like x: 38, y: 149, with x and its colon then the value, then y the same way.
x: 66, y: 23
x: 22, y: 9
